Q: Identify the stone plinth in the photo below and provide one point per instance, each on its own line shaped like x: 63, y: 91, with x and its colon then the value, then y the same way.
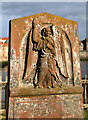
x: 45, y: 79
x: 46, y: 103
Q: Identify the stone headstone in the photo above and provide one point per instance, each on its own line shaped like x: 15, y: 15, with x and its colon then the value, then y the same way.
x: 44, y: 68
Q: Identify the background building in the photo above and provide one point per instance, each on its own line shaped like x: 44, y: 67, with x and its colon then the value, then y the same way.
x: 4, y: 49
x: 3, y: 74
x: 83, y: 46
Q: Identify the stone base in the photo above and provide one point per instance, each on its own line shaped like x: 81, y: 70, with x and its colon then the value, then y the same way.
x: 46, y: 106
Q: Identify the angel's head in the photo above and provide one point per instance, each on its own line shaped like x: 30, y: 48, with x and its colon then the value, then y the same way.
x: 47, y: 31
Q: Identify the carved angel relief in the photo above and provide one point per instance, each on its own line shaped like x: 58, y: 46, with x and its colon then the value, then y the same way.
x: 52, y: 66
x: 45, y: 57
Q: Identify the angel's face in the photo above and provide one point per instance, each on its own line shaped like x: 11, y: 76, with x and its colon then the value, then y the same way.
x: 45, y: 32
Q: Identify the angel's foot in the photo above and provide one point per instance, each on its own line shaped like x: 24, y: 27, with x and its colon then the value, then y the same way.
x: 48, y: 87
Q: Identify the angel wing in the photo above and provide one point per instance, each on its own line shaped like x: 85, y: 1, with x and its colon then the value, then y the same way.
x: 28, y: 60
x: 65, y: 75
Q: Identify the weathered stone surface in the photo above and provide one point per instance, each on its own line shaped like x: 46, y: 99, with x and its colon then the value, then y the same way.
x: 53, y: 106
x: 45, y: 79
